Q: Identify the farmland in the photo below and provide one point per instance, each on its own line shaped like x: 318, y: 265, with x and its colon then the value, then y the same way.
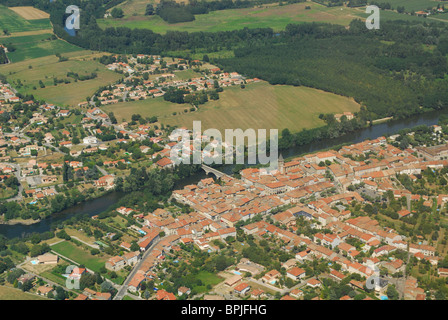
x: 36, y: 46
x: 268, y: 16
x: 46, y: 68
x: 30, y: 13
x: 15, y: 23
x: 275, y: 17
x: 258, y: 106
x: 8, y: 293
x: 415, y: 5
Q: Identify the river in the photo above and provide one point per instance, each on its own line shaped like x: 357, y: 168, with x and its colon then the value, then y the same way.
x: 96, y: 206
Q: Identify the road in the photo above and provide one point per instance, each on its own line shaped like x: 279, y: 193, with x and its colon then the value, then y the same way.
x: 95, y: 246
x: 18, y: 175
x: 124, y: 287
x: 103, y: 172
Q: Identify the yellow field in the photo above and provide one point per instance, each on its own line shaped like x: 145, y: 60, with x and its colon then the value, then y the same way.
x: 258, y: 106
x: 7, y: 293
x: 30, y: 13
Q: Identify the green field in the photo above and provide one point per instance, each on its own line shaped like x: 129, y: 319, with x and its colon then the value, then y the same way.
x: 46, y: 68
x: 275, y: 17
x: 7, y: 293
x: 79, y: 255
x: 15, y: 23
x: 36, y: 46
x: 415, y: 5
x: 207, y: 278
x: 268, y: 16
x: 258, y: 106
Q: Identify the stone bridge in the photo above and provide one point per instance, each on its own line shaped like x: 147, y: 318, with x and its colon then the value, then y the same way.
x: 216, y: 172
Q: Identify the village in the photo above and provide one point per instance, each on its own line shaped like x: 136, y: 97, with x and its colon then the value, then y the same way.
x: 337, y: 219
x: 149, y: 76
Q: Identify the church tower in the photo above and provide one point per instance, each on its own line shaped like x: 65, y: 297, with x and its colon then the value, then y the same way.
x: 281, y: 164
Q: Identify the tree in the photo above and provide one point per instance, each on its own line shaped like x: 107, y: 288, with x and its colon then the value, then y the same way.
x: 392, y: 293
x: 5, y: 31
x: 117, y: 13
x: 149, y: 10
x: 88, y: 280
x: 60, y: 294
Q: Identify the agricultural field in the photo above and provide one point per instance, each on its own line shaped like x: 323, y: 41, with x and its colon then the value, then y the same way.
x: 30, y: 13
x: 46, y: 68
x: 415, y: 5
x: 36, y: 46
x: 14, y: 20
x: 137, y: 7
x: 8, y: 293
x: 273, y: 16
x: 258, y: 106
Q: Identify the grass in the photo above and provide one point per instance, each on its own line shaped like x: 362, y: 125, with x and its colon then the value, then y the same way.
x: 80, y: 255
x: 36, y: 46
x: 45, y: 68
x: 258, y: 106
x: 15, y: 23
x: 54, y: 277
x: 207, y: 278
x: 7, y: 293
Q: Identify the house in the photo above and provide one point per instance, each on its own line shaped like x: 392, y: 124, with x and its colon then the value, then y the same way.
x: 48, y: 258
x: 443, y: 272
x: 163, y: 295
x: 183, y: 290
x: 233, y: 280
x: 257, y: 294
x: 295, y: 273
x: 296, y: 293
x: 107, y: 182
x: 313, y: 283
x: 242, y: 288
x: 90, y: 140
x: 136, y: 281
x: 271, y: 276
x: 115, y: 263
x: 44, y: 290
x: 165, y: 163
x: 424, y: 249
x: 77, y: 273
x: 63, y: 113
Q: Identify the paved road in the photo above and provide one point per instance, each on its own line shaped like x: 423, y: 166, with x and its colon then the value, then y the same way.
x: 18, y: 175
x: 95, y: 246
x: 124, y: 288
x: 103, y: 172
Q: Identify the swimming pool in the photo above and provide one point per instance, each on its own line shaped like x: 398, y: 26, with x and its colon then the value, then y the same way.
x: 237, y: 272
x: 384, y: 298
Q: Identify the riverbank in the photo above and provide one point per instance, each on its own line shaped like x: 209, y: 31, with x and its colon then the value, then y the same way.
x: 26, y: 222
